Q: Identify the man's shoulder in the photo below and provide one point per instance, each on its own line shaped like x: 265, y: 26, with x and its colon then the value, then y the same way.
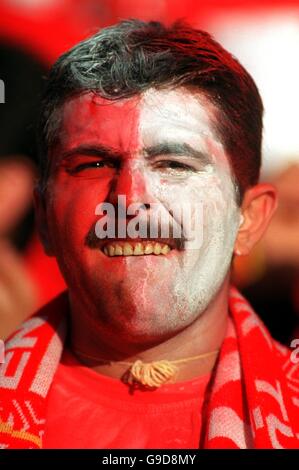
x: 257, y: 341
x: 32, y: 355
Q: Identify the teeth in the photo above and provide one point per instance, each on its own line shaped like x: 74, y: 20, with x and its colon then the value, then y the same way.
x: 136, y: 249
x: 148, y: 250
x: 118, y: 250
x: 157, y: 249
x: 165, y: 249
x: 111, y: 250
x: 127, y: 250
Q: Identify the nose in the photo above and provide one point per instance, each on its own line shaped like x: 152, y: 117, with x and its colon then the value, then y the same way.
x: 131, y: 182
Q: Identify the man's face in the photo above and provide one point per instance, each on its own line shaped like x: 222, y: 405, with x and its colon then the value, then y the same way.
x: 158, y: 148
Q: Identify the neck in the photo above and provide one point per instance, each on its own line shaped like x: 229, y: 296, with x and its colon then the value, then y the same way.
x: 95, y: 349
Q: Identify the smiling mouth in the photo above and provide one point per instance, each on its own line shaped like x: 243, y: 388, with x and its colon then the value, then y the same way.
x: 136, y: 248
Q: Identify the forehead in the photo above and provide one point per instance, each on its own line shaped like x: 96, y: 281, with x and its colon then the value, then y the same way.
x: 146, y: 119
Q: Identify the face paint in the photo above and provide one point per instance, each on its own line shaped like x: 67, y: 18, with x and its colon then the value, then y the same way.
x: 165, y: 152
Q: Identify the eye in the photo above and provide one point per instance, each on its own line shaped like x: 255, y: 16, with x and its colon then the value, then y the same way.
x: 91, y: 165
x: 173, y: 165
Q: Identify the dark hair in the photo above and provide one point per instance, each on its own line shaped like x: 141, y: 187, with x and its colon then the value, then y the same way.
x: 132, y: 56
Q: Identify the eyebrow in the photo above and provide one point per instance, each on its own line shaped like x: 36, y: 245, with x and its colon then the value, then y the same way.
x: 177, y: 149
x: 91, y: 150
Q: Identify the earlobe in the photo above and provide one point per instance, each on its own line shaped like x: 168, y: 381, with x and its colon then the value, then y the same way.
x: 41, y: 220
x: 258, y: 206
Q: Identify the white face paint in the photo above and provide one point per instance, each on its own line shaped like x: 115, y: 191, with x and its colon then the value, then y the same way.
x: 177, y: 117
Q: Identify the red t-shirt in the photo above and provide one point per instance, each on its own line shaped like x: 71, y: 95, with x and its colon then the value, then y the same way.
x: 88, y: 410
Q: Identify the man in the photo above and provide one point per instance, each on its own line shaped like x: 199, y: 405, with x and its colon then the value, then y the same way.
x: 150, y: 347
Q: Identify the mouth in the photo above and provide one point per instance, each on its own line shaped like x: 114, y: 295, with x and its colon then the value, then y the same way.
x: 136, y: 248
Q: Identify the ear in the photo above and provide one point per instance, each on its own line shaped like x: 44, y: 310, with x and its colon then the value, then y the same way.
x: 258, y: 206
x: 42, y: 220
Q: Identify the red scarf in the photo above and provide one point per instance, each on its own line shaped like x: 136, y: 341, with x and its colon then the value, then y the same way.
x: 254, y: 389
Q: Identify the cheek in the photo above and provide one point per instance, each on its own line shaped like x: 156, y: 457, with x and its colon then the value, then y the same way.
x: 211, y: 198
x: 71, y: 208
x: 201, y: 189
